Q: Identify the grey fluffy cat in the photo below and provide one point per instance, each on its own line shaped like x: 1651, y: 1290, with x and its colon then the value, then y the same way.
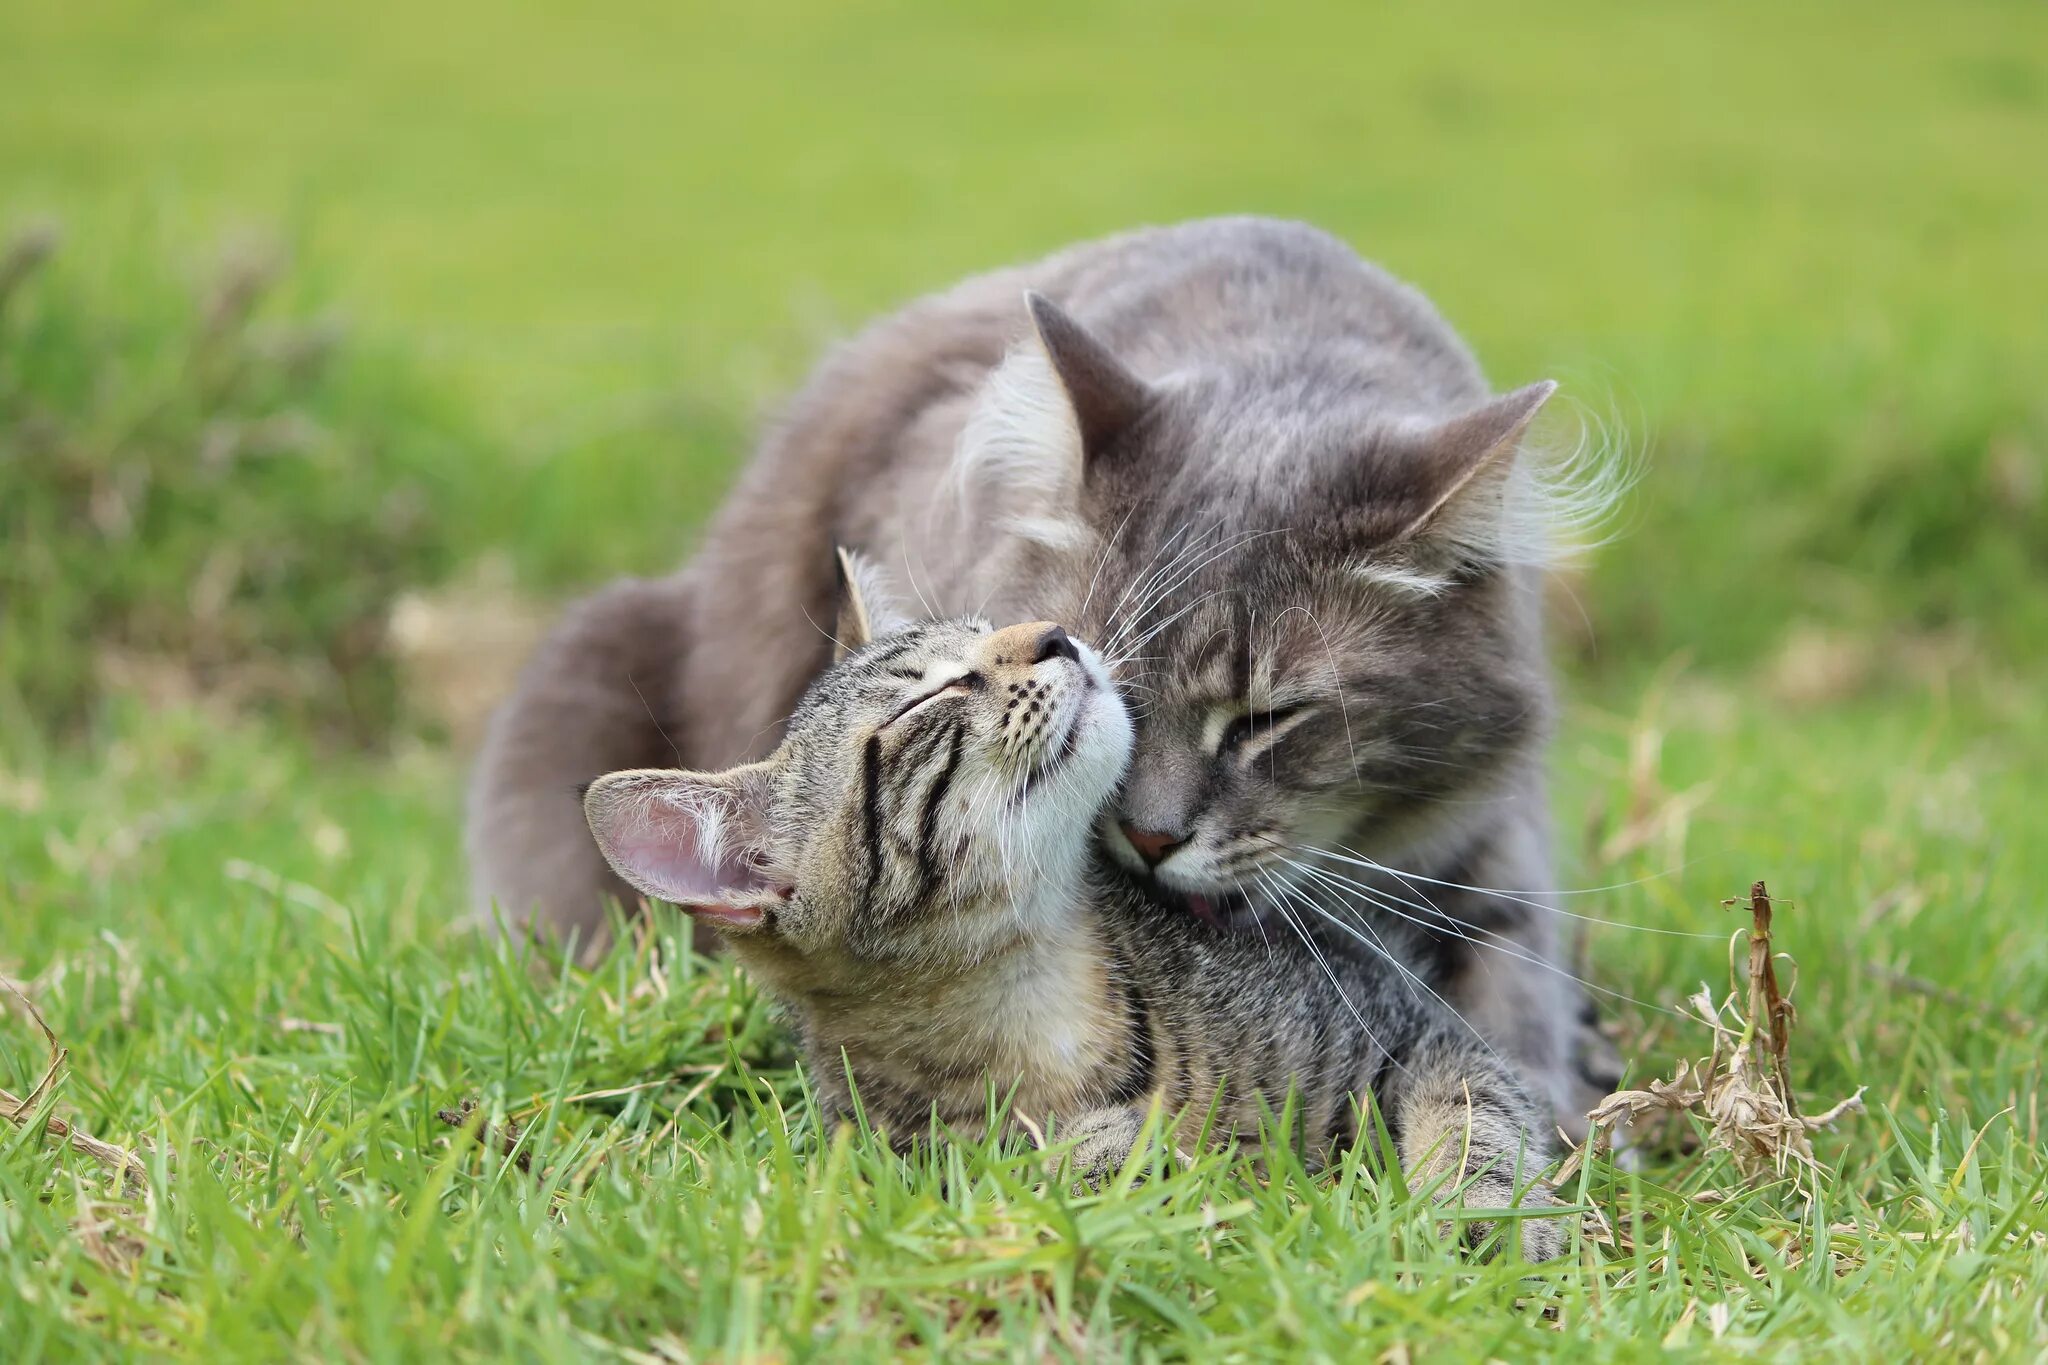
x: 910, y: 874
x: 1275, y: 486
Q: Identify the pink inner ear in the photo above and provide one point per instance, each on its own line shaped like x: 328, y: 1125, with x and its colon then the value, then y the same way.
x: 662, y: 848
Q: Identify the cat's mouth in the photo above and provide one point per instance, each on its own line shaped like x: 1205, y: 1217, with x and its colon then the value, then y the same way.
x: 1094, y: 728
x: 1221, y: 909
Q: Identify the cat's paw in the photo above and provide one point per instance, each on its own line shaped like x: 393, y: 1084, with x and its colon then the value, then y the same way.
x: 1544, y: 1235
x: 1101, y: 1142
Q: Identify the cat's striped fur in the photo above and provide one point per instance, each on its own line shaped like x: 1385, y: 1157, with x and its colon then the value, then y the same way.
x: 912, y: 874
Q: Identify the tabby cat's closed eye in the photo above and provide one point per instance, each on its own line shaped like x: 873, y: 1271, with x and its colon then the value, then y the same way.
x: 955, y: 687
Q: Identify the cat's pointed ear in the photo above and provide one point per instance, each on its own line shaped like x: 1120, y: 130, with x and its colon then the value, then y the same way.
x: 1058, y: 399
x: 1467, y: 459
x: 695, y: 839
x: 867, y: 608
x: 1103, y: 393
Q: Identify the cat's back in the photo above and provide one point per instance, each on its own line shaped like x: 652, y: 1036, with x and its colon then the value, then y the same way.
x: 883, y: 411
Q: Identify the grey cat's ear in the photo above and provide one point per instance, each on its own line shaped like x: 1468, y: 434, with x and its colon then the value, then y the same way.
x: 1468, y: 460
x: 1103, y: 393
x: 1058, y: 398
x: 691, y: 838
x: 867, y: 608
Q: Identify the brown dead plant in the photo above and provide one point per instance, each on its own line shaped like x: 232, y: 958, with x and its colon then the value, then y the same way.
x: 1742, y: 1090
x: 22, y: 1109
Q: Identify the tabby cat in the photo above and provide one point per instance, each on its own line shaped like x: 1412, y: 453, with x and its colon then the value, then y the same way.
x: 1269, y: 480
x: 911, y: 873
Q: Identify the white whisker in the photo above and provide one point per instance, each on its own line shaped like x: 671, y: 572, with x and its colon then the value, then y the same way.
x: 1358, y: 859
x: 1342, y: 994
x: 1377, y: 945
x: 1493, y: 942
x: 1108, y: 548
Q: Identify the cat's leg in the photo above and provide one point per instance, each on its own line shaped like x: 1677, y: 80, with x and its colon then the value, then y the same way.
x: 597, y: 696
x: 1502, y: 959
x: 1508, y: 983
x: 1458, y: 1114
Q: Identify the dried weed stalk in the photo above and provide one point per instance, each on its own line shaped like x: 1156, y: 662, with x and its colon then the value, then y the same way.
x: 21, y: 1109
x: 1743, y: 1088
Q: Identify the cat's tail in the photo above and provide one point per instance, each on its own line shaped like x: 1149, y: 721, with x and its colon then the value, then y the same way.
x: 600, y: 694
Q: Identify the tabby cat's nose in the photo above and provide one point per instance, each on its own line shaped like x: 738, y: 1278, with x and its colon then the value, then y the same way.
x: 1055, y: 644
x: 1152, y: 845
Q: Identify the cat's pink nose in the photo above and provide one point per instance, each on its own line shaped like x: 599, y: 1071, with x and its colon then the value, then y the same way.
x: 1152, y: 845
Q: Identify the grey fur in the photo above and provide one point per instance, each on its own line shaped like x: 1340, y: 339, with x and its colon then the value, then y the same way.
x: 1267, y: 460
x: 912, y: 873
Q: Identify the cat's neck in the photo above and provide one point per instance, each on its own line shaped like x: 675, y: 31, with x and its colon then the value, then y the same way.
x: 1036, y: 1006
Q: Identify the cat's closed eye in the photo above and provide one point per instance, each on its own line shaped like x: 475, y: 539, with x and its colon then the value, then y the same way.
x: 953, y: 687
x: 1245, y: 728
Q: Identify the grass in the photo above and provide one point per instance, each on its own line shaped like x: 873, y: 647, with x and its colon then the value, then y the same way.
x: 260, y: 990
x: 575, y: 253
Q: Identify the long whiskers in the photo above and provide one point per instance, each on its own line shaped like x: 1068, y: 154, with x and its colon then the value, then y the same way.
x: 1108, y: 548
x: 1315, y: 952
x: 1144, y: 576
x: 1355, y: 858
x: 1377, y: 946
x: 1119, y: 643
x: 1492, y: 941
x: 1337, y: 677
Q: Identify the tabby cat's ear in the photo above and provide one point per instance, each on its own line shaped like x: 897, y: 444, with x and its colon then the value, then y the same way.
x: 691, y: 838
x: 1104, y: 395
x: 867, y: 608
x: 1466, y: 463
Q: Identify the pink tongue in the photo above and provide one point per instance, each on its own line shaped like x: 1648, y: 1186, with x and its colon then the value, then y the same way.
x: 1205, y: 910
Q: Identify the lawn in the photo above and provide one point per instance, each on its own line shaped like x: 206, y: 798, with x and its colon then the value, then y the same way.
x: 1788, y: 256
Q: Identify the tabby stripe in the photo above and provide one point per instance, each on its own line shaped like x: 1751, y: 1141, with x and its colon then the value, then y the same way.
x: 928, y: 867
x: 910, y: 761
x: 1317, y: 1087
x: 1139, y: 1077
x: 889, y: 653
x: 871, y: 808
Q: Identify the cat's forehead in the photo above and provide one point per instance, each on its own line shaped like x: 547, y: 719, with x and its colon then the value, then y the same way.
x: 1265, y: 640
x: 878, y: 673
x: 915, y: 648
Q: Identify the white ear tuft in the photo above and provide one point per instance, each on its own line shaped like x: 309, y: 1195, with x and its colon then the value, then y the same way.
x: 1018, y: 464
x: 1400, y: 578
x: 1469, y: 459
x: 1502, y: 501
x: 689, y: 838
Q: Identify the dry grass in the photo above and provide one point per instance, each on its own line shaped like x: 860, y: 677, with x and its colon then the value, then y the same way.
x: 29, y: 1110
x: 1742, y: 1091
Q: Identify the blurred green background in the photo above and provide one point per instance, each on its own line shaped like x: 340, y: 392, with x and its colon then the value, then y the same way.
x: 1794, y: 252
x: 338, y: 344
